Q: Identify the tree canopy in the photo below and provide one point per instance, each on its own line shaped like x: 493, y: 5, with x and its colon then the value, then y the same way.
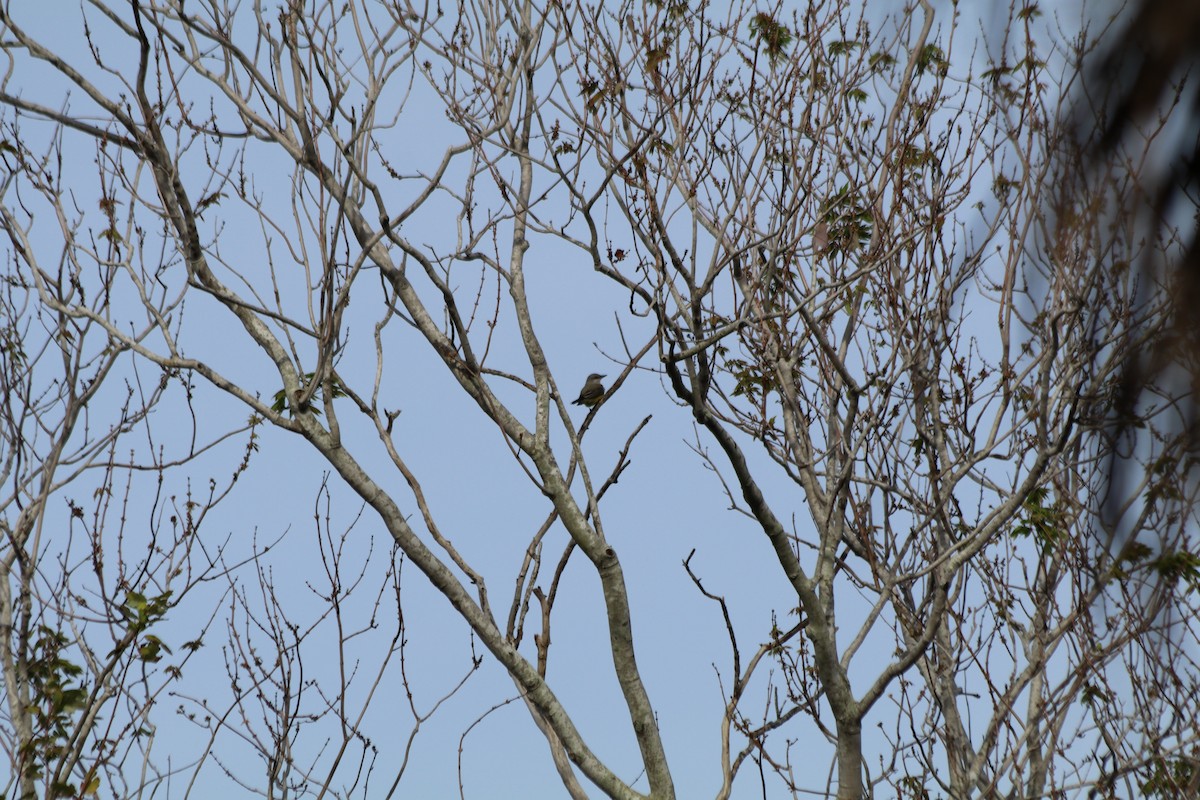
x: 296, y: 300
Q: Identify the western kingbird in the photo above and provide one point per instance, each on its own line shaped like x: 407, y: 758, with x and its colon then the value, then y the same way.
x: 591, y: 392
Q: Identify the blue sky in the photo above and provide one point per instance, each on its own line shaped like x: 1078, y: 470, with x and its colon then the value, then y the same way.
x: 666, y: 505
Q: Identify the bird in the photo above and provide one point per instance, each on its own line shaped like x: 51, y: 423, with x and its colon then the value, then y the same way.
x: 820, y: 237
x: 591, y: 392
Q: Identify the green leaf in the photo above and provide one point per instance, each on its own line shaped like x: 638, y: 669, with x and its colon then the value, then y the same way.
x: 1179, y: 565
x: 843, y: 48
x: 151, y: 649
x: 773, y: 35
x: 879, y: 62
x: 932, y: 57
x: 1029, y: 12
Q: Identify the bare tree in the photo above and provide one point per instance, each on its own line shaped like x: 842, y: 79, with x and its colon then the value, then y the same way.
x: 93, y: 557
x: 828, y: 235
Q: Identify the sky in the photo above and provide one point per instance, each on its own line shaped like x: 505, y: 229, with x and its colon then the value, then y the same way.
x: 667, y: 506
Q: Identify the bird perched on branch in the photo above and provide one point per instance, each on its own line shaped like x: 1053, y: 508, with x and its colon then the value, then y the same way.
x: 591, y: 392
